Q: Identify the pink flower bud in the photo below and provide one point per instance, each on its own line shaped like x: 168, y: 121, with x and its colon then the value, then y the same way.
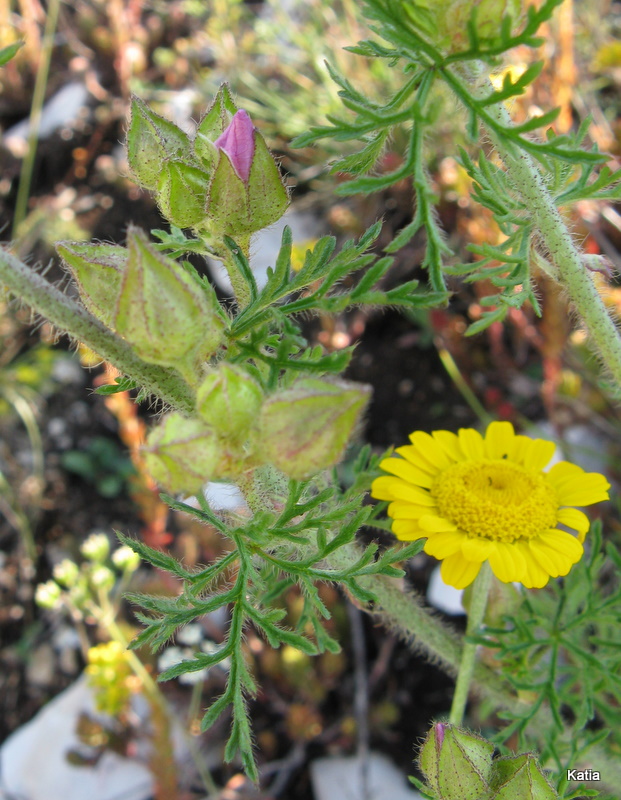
x: 237, y: 141
x: 439, y: 734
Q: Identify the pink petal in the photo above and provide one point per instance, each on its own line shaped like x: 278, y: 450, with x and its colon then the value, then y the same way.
x: 237, y: 141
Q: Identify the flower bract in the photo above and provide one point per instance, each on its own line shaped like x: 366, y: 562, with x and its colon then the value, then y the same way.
x: 487, y: 498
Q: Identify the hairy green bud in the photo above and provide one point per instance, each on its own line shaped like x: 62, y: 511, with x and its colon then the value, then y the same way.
x: 152, y: 140
x: 456, y: 763
x: 48, y: 595
x: 98, y: 272
x: 305, y: 428
x: 229, y: 401
x: 66, y: 573
x: 216, y: 120
x: 163, y: 312
x: 125, y: 559
x: 182, y: 193
x: 520, y: 776
x: 246, y: 191
x: 182, y: 454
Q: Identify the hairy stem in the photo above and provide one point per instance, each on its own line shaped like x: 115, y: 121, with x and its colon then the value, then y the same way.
x: 71, y: 318
x: 527, y: 179
x: 476, y: 613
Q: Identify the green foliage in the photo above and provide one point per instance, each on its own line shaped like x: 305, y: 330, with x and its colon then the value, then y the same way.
x: 264, y: 564
x: 563, y: 647
x: 566, y: 168
x: 7, y: 53
x: 101, y: 464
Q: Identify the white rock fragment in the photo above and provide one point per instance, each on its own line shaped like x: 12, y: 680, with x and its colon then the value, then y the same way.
x: 341, y: 779
x: 59, y: 111
x: 442, y: 596
x: 34, y: 766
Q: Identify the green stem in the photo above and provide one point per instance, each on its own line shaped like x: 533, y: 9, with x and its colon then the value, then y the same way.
x: 541, y: 206
x: 476, y: 614
x: 71, y: 318
x: 240, y: 287
x: 448, y: 362
x: 38, y: 98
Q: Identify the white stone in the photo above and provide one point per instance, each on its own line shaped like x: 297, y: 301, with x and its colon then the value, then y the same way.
x: 33, y: 763
x: 340, y: 779
x: 224, y: 497
x: 59, y: 111
x: 442, y: 596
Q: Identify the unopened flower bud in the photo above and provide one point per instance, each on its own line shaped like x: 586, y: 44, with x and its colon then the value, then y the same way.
x: 152, y: 140
x: 48, y: 595
x: 305, y: 428
x: 102, y: 577
x: 520, y: 776
x: 229, y: 401
x: 125, y: 559
x: 96, y: 548
x: 163, y: 312
x: 456, y: 763
x: 66, y: 573
x: 182, y: 193
x: 182, y: 454
x: 98, y: 272
x: 246, y: 191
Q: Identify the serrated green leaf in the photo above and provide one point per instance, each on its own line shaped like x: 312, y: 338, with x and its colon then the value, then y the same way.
x: 120, y: 385
x: 155, y: 557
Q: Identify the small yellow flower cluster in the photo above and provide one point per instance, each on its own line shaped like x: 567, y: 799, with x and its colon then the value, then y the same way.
x: 110, y: 675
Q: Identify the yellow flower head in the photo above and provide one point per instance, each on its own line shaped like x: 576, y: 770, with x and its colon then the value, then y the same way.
x: 479, y: 499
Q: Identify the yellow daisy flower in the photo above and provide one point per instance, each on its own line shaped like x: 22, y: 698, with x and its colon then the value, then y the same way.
x: 479, y: 499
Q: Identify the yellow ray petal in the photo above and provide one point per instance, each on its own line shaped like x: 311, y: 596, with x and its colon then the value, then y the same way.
x: 387, y: 488
x: 507, y: 562
x: 411, y: 454
x: 449, y: 442
x: 561, y: 471
x: 408, y: 472
x: 407, y: 530
x: 435, y: 524
x: 458, y: 572
x: 520, y: 446
x: 564, y: 542
x: 442, y: 545
x: 474, y: 548
x: 551, y: 560
x: 499, y: 439
x: 537, y: 454
x: 535, y: 576
x: 402, y: 510
x: 471, y: 443
x: 430, y: 449
x: 583, y: 490
x: 575, y: 519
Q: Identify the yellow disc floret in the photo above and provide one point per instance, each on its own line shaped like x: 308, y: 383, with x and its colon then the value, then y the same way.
x: 495, y: 499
